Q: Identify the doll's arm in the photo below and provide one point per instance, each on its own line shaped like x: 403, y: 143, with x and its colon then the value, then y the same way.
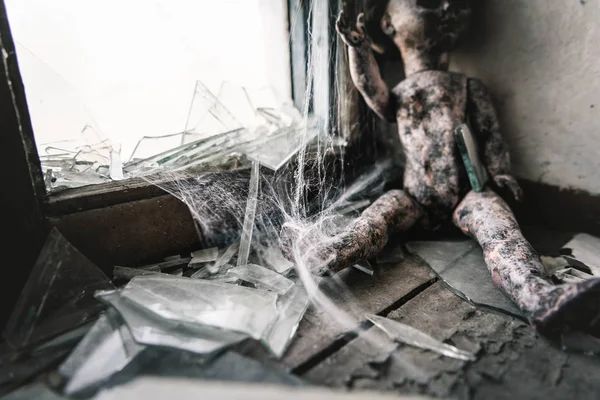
x: 484, y: 121
x: 364, y: 69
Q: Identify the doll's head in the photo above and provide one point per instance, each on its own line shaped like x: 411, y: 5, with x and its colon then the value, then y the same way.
x: 429, y: 27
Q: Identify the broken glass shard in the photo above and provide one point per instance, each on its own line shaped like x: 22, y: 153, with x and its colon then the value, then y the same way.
x: 462, y: 268
x: 585, y: 249
x: 237, y: 100
x: 403, y: 333
x: 248, y: 226
x: 225, y: 279
x: 109, y: 351
x: 58, y: 296
x: 208, y: 272
x: 291, y: 308
x: 204, y: 256
x: 202, y: 273
x: 365, y: 266
x: 204, y: 302
x: 273, y: 257
x: 572, y: 275
x: 101, y: 329
x: 165, y: 265
x: 275, y: 151
x: 149, y: 146
x: 153, y: 268
x: 262, y: 278
x: 129, y: 273
x: 173, y: 258
x: 150, y: 329
x: 207, y: 115
x: 64, y: 340
x: 553, y: 264
x: 226, y: 257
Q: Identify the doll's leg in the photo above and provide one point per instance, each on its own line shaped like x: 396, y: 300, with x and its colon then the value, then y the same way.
x: 363, y: 238
x: 517, y: 269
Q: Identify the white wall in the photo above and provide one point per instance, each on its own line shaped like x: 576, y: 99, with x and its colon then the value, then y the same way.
x: 541, y: 60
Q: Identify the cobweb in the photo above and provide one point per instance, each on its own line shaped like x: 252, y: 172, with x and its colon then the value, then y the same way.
x: 245, y: 168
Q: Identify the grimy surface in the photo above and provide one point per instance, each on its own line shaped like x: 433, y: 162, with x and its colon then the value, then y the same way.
x: 512, y: 362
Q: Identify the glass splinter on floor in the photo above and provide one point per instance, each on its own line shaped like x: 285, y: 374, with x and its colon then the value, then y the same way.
x: 248, y: 226
x: 204, y: 256
x: 149, y: 329
x: 104, y: 351
x: 571, y: 275
x: 129, y: 273
x: 154, y: 268
x: 365, y: 266
x: 204, y: 302
x: 462, y: 268
x: 273, y: 257
x: 585, y: 249
x: 291, y: 308
x: 58, y: 296
x: 262, y: 278
x: 226, y: 257
x: 201, y: 273
x: 403, y: 333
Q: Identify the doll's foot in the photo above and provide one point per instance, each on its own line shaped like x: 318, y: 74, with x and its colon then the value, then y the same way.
x: 569, y: 308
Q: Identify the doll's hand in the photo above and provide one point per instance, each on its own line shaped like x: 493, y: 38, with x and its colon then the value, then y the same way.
x: 510, y: 182
x: 353, y: 36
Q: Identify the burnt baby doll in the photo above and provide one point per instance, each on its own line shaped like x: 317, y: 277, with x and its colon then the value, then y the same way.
x: 429, y: 105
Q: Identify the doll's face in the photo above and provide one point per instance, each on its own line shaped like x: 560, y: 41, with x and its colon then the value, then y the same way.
x: 426, y: 24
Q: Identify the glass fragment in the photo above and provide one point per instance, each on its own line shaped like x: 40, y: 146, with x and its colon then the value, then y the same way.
x: 585, y: 249
x: 110, y: 349
x: 291, y: 308
x: 149, y: 329
x: 226, y: 257
x: 273, y: 257
x: 129, y: 273
x: 364, y: 266
x: 204, y: 256
x: 204, y: 302
x: 58, y: 296
x: 248, y: 226
x: 407, y: 334
x: 262, y: 278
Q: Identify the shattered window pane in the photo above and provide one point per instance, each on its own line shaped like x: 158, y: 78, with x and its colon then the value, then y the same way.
x: 58, y: 296
x: 101, y: 99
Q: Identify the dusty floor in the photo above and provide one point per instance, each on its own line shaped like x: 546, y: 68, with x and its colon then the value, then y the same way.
x: 512, y: 361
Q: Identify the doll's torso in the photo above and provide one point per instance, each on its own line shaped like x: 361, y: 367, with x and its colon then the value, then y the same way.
x: 430, y: 106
